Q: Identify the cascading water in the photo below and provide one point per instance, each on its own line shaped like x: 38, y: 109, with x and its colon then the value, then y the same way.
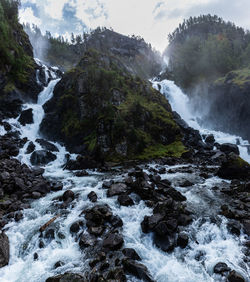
x: 210, y: 242
x: 180, y: 103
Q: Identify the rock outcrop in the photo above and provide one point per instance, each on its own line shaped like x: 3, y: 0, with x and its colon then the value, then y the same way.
x: 99, y: 109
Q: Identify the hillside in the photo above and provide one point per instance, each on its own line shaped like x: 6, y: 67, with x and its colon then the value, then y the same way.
x: 204, y: 48
x: 17, y: 67
x: 138, y: 56
x: 100, y: 109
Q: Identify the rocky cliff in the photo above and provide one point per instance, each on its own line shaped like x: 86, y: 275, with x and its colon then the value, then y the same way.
x: 230, y: 102
x: 100, y: 109
x: 17, y: 67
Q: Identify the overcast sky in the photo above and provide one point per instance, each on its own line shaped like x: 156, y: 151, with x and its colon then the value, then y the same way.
x: 151, y: 19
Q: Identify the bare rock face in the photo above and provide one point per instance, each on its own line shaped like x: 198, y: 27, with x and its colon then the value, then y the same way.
x: 4, y: 250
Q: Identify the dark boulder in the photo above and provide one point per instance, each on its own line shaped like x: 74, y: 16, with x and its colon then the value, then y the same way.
x: 92, y: 196
x: 165, y: 243
x: 67, y: 277
x: 31, y: 147
x: 47, y: 145
x: 131, y: 254
x: 117, y: 189
x: 234, y: 168
x: 229, y: 148
x: 26, y: 117
x: 125, y: 200
x: 87, y: 240
x: 42, y: 157
x: 4, y: 249
x: 182, y: 240
x: 221, y: 267
x: 68, y: 196
x: 235, y: 277
x: 137, y: 269
x: 113, y: 242
x: 75, y: 227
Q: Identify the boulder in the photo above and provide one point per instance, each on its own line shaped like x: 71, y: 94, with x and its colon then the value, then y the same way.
x: 31, y: 147
x: 68, y: 196
x: 87, y: 240
x: 75, y: 227
x: 4, y: 249
x: 26, y: 117
x: 92, y: 196
x: 235, y: 277
x: 66, y: 277
x: 229, y: 148
x: 182, y: 240
x: 113, y: 242
x: 47, y: 145
x: 117, y: 189
x: 234, y: 168
x: 131, y: 254
x: 42, y: 157
x: 125, y: 200
x: 137, y: 269
x: 221, y: 267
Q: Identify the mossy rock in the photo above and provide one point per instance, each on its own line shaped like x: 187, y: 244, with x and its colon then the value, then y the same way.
x: 112, y: 115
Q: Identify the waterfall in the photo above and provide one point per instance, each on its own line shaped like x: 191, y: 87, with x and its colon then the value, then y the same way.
x: 210, y: 242
x: 181, y: 104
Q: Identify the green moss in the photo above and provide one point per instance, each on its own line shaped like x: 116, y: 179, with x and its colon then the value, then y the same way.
x: 175, y: 149
x: 237, y: 77
x: 9, y: 87
x: 239, y: 162
x: 90, y: 141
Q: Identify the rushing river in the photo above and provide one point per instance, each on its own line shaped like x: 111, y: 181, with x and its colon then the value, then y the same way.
x: 210, y: 241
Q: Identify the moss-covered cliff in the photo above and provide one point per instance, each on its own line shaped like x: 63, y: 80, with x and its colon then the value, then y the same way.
x: 100, y: 109
x: 17, y: 67
x: 229, y: 99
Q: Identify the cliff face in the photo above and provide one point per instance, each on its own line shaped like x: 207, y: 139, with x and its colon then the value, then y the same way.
x: 17, y: 67
x: 100, y: 109
x: 230, y: 102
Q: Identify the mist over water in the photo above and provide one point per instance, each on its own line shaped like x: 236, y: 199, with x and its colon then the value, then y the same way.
x: 182, y: 105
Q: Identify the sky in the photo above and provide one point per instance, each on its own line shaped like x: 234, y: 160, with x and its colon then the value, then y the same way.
x: 151, y: 19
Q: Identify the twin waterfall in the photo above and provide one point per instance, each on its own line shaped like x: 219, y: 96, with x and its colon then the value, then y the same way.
x: 210, y: 240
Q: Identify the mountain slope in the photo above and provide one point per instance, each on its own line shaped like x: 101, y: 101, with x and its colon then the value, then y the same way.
x: 100, y: 109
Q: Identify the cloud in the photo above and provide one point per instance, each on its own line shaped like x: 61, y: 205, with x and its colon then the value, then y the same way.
x: 27, y: 15
x: 151, y: 19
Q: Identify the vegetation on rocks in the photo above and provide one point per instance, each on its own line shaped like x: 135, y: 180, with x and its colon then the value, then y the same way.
x: 16, y: 54
x: 205, y: 47
x: 101, y: 108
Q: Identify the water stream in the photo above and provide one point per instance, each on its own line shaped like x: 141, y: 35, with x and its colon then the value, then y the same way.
x: 211, y: 242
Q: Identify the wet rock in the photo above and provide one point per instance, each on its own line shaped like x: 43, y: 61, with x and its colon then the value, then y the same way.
x: 42, y: 157
x: 221, y: 267
x: 35, y: 256
x: 131, y: 254
x: 31, y: 147
x: 234, y: 168
x: 182, y: 240
x: 235, y: 277
x: 4, y: 249
x: 96, y: 230
x: 87, y: 240
x: 176, y: 195
x: 92, y: 196
x: 186, y: 183
x: 234, y: 227
x: 57, y: 187
x: 113, y: 242
x: 75, y: 227
x: 58, y: 264
x: 117, y: 189
x: 125, y: 200
x: 68, y: 196
x: 153, y: 220
x: 36, y: 195
x: 47, y: 145
x: 246, y: 226
x: 67, y: 277
x: 81, y: 173
x: 229, y: 148
x: 137, y: 269
x: 26, y: 117
x: 165, y: 243
x: 210, y: 139
x: 50, y: 234
x: 116, y: 221
x: 107, y: 184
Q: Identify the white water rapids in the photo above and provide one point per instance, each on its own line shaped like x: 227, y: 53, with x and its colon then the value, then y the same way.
x: 210, y: 243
